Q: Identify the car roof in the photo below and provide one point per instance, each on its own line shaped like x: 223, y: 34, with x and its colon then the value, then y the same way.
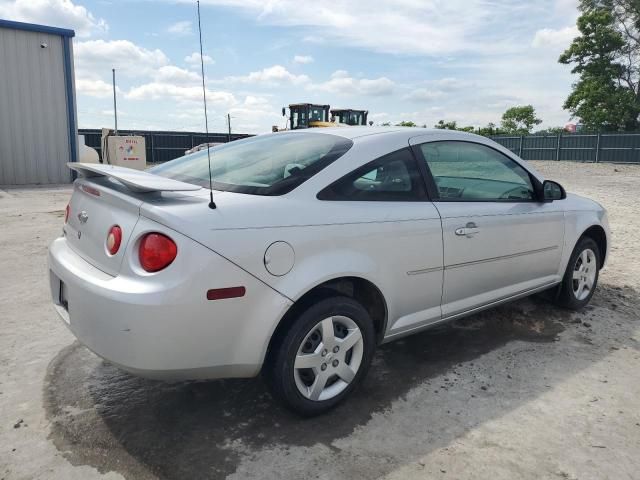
x: 353, y: 133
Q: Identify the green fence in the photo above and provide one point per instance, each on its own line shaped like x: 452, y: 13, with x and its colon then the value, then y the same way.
x: 597, y: 147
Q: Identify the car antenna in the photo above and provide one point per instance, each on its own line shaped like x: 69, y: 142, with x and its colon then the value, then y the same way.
x: 212, y: 204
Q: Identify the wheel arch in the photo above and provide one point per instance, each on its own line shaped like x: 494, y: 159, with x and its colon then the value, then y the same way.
x: 360, y: 289
x: 598, y: 234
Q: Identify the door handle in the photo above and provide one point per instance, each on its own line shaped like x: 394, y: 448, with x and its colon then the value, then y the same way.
x: 468, y: 230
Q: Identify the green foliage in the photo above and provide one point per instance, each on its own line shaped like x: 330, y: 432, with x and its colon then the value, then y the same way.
x: 385, y: 124
x: 489, y: 130
x: 551, y: 131
x: 442, y: 125
x: 406, y: 124
x: 606, y: 56
x: 520, y: 120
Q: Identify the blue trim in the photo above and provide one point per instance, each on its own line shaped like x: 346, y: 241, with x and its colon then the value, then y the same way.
x: 71, y: 111
x: 32, y: 27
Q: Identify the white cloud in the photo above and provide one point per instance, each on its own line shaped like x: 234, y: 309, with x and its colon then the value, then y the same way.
x: 254, y: 114
x: 303, y: 59
x: 271, y: 77
x: 419, y: 27
x: 99, y: 57
x: 550, y: 38
x: 436, y: 89
x: 176, y: 75
x: 423, y: 95
x: 342, y: 83
x: 194, y: 59
x: 94, y: 88
x: 315, y: 39
x: 450, y: 83
x: 468, y: 67
x: 181, y: 28
x: 58, y: 13
x: 376, y: 87
x: 165, y: 91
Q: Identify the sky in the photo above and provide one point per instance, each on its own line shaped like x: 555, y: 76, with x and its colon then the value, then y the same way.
x: 418, y: 60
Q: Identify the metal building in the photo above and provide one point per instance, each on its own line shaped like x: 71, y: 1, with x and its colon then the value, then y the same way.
x: 38, y: 119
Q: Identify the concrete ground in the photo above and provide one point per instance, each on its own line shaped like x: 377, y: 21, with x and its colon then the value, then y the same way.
x: 522, y: 391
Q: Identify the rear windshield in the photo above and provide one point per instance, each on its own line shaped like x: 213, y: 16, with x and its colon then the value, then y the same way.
x: 271, y: 164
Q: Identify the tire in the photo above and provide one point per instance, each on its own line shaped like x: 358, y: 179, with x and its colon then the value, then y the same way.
x: 570, y: 295
x: 310, y: 336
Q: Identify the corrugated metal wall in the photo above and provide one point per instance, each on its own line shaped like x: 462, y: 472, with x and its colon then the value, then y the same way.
x: 34, y: 124
x: 603, y: 147
x: 162, y: 146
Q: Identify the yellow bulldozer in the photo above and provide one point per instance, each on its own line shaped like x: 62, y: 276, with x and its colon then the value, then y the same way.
x: 310, y: 115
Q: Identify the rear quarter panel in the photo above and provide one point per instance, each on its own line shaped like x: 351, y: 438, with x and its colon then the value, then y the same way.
x: 379, y: 242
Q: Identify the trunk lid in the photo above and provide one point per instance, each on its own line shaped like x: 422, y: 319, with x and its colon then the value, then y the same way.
x: 93, y: 210
x: 105, y: 196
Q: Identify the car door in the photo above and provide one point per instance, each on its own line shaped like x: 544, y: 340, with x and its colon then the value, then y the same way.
x: 402, y: 235
x: 499, y: 240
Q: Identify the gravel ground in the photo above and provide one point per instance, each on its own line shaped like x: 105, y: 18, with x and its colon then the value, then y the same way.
x: 522, y: 391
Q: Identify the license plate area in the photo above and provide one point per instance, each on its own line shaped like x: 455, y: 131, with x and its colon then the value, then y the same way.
x: 64, y: 302
x: 59, y: 296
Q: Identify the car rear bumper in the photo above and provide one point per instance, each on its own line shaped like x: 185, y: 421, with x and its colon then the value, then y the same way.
x: 162, y: 325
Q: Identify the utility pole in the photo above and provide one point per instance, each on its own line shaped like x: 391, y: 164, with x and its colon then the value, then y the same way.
x: 115, y: 108
x: 229, y: 124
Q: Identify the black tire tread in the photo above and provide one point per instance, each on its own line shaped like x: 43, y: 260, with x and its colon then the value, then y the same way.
x: 278, y: 365
x: 565, y: 297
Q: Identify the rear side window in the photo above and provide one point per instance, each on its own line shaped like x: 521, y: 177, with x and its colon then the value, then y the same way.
x: 394, y: 177
x: 263, y: 165
x: 465, y: 171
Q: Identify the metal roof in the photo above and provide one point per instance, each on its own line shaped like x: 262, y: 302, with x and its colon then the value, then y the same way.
x: 308, y: 105
x: 33, y: 27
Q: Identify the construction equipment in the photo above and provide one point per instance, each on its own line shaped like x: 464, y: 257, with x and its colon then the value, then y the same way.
x: 309, y: 115
x: 305, y: 115
x: 349, y: 116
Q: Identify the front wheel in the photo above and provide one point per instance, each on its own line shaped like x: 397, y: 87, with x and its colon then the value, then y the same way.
x: 581, y: 277
x: 322, y: 357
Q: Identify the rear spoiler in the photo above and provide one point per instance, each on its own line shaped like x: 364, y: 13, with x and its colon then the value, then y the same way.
x: 135, y: 180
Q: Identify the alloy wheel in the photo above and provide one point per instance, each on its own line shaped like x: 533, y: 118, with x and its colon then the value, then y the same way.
x: 328, y: 358
x: 584, y: 274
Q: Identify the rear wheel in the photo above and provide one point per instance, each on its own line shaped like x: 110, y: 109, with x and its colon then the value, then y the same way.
x: 581, y: 277
x: 322, y: 357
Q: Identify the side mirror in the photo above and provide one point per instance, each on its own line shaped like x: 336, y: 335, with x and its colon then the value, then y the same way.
x: 553, y: 191
x: 283, y: 112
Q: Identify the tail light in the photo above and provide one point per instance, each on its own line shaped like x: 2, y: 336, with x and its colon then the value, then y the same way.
x: 66, y: 213
x: 156, y: 252
x: 114, y: 238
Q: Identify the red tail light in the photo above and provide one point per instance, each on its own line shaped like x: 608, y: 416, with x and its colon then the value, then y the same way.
x: 114, y: 238
x: 66, y: 213
x: 156, y: 252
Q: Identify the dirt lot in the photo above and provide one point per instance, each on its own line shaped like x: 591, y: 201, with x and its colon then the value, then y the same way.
x: 523, y: 391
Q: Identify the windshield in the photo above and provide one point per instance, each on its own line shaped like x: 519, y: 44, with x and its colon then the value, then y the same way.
x: 263, y: 165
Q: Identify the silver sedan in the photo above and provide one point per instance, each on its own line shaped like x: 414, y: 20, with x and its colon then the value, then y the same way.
x: 318, y: 245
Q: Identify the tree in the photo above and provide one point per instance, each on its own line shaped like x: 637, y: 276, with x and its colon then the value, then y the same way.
x: 385, y: 124
x: 489, y: 130
x: 405, y: 123
x: 520, y: 120
x: 551, y: 131
x: 606, y: 56
x: 442, y: 125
